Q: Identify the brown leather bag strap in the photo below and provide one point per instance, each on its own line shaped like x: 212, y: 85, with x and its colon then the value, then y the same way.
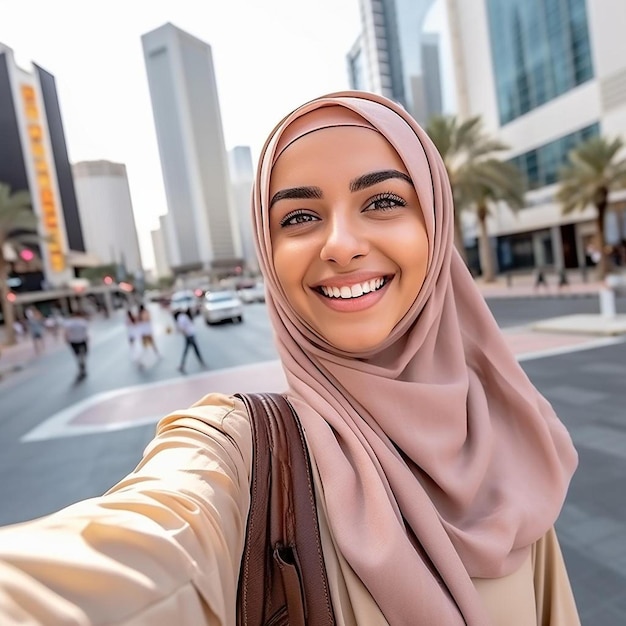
x: 283, y: 577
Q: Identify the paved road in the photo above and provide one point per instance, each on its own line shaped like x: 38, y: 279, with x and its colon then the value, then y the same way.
x: 52, y: 468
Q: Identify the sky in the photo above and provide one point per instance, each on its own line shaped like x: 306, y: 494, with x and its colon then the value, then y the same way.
x: 270, y: 56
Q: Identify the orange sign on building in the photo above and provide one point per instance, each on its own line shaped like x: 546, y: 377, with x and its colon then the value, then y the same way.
x: 45, y: 189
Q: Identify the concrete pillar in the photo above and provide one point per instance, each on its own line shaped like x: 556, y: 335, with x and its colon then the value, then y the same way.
x: 607, y: 302
x: 557, y: 247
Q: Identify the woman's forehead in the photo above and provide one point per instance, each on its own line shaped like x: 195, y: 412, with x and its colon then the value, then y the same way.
x: 335, y: 152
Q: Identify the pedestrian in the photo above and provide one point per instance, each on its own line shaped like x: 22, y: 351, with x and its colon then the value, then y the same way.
x: 146, y: 332
x: 36, y: 328
x: 540, y: 279
x: 132, y: 335
x: 77, y: 337
x: 185, y: 326
x: 438, y: 468
x: 563, y: 280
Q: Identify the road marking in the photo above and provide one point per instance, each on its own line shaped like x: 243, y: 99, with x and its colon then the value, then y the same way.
x: 144, y: 404
x: 139, y: 405
x: 589, y: 345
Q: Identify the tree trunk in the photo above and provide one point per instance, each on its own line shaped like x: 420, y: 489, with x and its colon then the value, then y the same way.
x: 484, y: 247
x: 603, y: 263
x: 7, y: 307
x: 458, y: 237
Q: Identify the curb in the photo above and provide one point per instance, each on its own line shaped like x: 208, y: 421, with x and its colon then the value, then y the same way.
x: 542, y: 296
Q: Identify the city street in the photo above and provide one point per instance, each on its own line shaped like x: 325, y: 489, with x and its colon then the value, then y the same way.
x: 61, y: 442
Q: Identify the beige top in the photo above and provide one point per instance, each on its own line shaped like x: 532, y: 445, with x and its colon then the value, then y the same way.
x: 163, y: 546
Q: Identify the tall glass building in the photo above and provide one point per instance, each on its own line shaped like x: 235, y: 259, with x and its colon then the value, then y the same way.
x: 544, y: 75
x: 203, y: 233
x: 539, y: 49
x: 395, y: 58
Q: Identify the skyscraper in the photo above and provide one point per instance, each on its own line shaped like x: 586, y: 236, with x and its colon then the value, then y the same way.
x: 33, y: 157
x: 395, y: 58
x: 242, y: 176
x: 106, y: 213
x: 544, y: 75
x: 183, y: 90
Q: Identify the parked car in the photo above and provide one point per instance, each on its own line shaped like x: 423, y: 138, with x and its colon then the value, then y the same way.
x: 252, y: 293
x: 184, y: 300
x: 222, y: 305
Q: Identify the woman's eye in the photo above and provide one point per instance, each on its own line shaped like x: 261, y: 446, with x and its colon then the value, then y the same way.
x: 385, y: 202
x: 297, y: 217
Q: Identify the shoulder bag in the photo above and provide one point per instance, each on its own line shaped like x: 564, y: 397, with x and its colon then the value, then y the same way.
x: 282, y: 577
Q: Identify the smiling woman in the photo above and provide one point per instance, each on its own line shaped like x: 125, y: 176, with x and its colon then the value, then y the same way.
x: 437, y: 469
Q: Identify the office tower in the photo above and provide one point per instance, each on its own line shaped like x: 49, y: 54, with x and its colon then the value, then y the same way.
x: 242, y: 176
x: 162, y: 268
x: 202, y: 220
x: 33, y: 157
x: 394, y: 57
x: 544, y: 75
x: 106, y: 214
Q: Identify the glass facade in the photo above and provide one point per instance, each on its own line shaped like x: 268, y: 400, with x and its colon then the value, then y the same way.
x: 541, y: 166
x: 540, y: 49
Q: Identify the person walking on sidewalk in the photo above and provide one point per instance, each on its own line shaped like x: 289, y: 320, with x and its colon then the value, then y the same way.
x: 145, y: 331
x: 132, y: 333
x: 36, y: 328
x: 77, y: 337
x: 184, y: 324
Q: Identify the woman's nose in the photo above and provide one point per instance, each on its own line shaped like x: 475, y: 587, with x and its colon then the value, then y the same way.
x: 344, y: 241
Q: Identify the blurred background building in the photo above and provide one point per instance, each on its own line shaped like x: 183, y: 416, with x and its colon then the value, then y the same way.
x: 544, y: 75
x: 161, y: 264
x: 202, y: 231
x: 241, y: 177
x: 106, y: 215
x: 33, y: 157
x: 394, y: 57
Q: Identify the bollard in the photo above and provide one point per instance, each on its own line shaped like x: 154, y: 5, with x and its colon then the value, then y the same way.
x: 607, y: 302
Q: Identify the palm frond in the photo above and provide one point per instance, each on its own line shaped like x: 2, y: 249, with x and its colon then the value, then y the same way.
x: 592, y: 170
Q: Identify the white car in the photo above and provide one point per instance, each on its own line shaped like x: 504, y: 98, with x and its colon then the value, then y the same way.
x: 222, y: 305
x: 184, y: 301
x: 253, y: 293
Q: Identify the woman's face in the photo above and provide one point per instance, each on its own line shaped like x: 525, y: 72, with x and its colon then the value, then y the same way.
x: 348, y: 235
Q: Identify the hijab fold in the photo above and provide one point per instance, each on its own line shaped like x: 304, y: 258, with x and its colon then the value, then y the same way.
x: 439, y: 459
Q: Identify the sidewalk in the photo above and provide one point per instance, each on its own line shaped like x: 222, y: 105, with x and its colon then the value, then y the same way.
x: 522, y: 285
x: 22, y: 354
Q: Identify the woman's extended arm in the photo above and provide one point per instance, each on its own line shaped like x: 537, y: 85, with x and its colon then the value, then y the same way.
x: 161, y: 547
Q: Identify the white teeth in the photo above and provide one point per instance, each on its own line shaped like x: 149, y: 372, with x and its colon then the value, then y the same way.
x: 354, y: 291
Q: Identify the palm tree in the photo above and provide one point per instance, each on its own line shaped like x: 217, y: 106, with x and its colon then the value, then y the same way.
x: 482, y: 184
x: 462, y: 145
x: 593, y: 170
x: 18, y: 225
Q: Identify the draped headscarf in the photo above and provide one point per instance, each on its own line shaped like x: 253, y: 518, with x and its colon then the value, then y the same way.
x: 439, y: 459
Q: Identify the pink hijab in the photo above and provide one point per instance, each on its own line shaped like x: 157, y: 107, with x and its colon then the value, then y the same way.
x: 439, y: 459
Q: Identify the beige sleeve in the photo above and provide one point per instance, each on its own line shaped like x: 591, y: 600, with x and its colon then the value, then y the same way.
x: 553, y: 593
x: 162, y: 547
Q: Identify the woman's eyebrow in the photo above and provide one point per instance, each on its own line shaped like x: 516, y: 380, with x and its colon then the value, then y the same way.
x: 299, y: 193
x: 367, y: 180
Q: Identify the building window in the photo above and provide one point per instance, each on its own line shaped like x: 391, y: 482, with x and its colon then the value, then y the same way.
x: 540, y: 50
x: 541, y: 166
